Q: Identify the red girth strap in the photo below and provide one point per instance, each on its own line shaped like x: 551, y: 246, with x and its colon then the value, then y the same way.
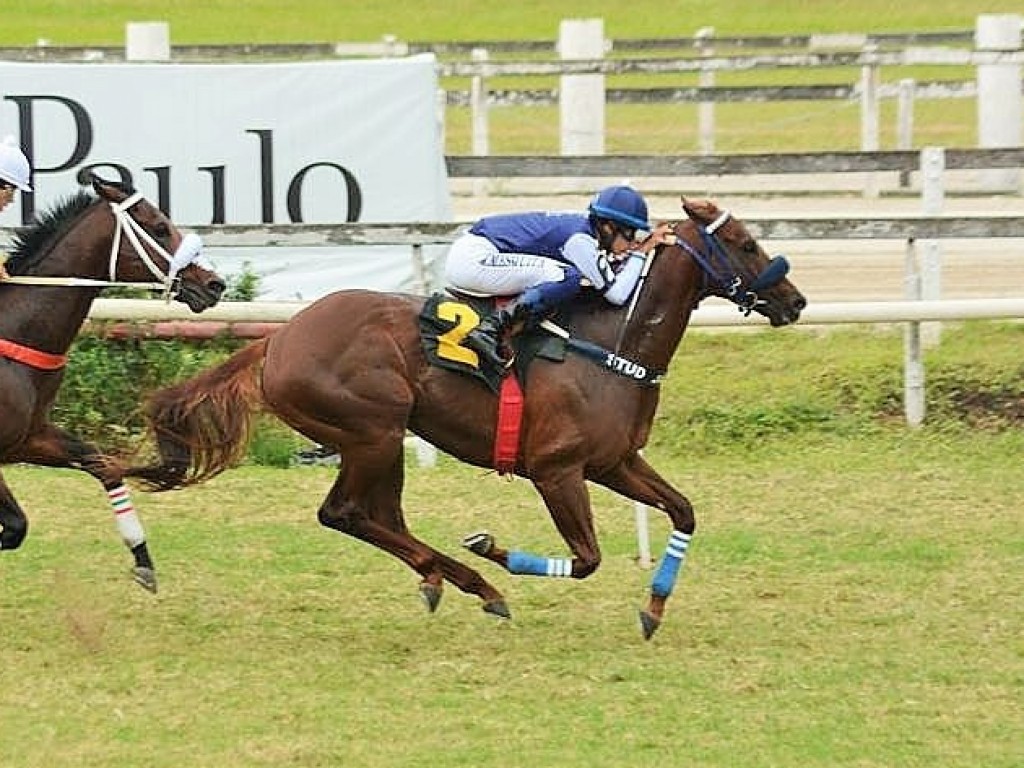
x: 510, y: 416
x: 45, y: 361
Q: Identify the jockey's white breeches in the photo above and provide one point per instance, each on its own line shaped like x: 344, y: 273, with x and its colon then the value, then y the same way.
x: 474, y: 264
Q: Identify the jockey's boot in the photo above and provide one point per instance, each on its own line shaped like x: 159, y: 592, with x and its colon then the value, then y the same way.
x: 487, y: 337
x: 530, y: 307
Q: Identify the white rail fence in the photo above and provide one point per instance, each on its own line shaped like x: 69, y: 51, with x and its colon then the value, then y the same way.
x: 914, y: 311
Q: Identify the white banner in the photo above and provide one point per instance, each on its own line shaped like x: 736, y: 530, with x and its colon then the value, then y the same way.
x: 314, y: 142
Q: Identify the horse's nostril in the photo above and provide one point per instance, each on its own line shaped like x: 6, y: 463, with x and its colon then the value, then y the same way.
x: 216, y: 287
x: 800, y: 304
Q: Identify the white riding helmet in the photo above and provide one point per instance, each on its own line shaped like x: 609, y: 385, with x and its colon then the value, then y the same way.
x: 14, y: 167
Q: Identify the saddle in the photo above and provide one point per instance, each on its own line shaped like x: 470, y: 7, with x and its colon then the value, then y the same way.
x: 447, y: 318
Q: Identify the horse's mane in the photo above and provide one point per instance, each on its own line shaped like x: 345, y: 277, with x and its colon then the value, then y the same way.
x: 30, y: 243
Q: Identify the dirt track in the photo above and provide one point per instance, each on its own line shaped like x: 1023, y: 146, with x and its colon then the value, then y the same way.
x: 836, y: 270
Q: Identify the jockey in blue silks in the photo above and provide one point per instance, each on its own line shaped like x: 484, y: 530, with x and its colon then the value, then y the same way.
x: 546, y: 258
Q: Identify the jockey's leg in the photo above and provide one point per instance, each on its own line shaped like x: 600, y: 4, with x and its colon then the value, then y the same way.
x: 530, y: 307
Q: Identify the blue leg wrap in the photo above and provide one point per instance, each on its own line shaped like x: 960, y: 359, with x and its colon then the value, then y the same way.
x: 525, y: 564
x: 668, y: 570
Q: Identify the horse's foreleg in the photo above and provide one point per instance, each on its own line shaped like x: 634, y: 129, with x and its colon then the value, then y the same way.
x: 637, y: 480
x: 13, y: 523
x: 55, y: 447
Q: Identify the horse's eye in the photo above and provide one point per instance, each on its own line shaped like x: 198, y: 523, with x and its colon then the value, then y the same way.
x: 162, y: 230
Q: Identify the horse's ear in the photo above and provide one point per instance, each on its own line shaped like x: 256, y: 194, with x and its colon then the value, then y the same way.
x: 699, y: 210
x: 105, y: 189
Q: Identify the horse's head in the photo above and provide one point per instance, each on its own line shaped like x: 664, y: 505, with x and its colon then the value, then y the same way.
x: 148, y: 245
x: 735, y: 266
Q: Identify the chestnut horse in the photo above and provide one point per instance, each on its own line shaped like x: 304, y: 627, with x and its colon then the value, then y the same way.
x: 350, y: 373
x: 58, y: 266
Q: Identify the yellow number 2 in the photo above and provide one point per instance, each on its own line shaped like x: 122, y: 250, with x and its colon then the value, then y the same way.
x: 449, y: 343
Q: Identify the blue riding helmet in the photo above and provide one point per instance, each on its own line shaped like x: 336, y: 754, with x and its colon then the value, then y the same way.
x: 623, y: 205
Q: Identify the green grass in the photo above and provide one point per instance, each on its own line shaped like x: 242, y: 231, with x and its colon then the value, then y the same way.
x: 261, y: 21
x: 852, y: 598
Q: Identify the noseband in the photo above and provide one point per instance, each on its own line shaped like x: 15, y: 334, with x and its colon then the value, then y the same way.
x: 719, y: 273
x: 188, y: 250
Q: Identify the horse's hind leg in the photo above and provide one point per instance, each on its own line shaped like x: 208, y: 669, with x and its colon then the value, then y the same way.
x: 367, y: 473
x: 55, y: 447
x: 384, y: 506
x: 373, y: 514
x: 13, y: 523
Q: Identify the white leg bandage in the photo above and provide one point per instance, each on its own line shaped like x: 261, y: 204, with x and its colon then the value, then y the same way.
x: 128, y: 524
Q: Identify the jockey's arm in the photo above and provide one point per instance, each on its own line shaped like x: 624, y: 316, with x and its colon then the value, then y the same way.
x: 621, y: 288
x: 581, y: 251
x: 619, y: 291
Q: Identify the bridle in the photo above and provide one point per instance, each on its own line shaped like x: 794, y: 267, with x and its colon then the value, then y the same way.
x: 187, y: 252
x: 721, y: 277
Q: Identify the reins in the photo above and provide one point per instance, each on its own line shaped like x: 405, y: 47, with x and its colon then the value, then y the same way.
x: 717, y: 272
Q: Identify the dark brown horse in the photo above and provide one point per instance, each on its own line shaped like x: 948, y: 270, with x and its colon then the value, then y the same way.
x: 58, y: 266
x: 349, y: 372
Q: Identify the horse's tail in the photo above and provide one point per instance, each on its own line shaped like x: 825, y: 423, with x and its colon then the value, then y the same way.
x: 201, y: 425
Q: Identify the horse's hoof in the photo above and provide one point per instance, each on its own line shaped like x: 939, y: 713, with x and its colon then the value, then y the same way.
x: 145, y: 578
x: 497, y: 608
x: 479, y: 543
x: 649, y: 623
x: 431, y: 594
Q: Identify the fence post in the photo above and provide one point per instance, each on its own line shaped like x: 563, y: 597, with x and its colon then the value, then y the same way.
x: 581, y: 97
x: 643, y: 534
x: 869, y: 121
x: 1000, y: 104
x: 426, y: 453
x: 147, y: 41
x: 913, y: 368
x: 391, y: 46
x: 706, y: 79
x: 479, y: 115
x: 905, y: 122
x: 933, y: 164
